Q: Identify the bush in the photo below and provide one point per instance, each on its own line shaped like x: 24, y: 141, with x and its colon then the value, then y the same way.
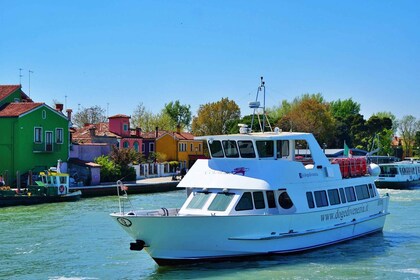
x: 110, y: 172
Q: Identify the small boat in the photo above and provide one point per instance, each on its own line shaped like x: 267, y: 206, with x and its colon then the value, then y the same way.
x: 53, y: 187
x: 257, y: 196
x: 399, y: 175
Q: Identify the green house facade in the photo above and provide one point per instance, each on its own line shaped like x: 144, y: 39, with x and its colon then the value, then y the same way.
x: 33, y: 136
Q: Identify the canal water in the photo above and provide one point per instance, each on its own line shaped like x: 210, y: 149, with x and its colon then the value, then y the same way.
x: 79, y: 240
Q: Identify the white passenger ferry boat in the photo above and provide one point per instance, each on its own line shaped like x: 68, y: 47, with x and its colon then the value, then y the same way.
x: 256, y: 196
x: 399, y: 175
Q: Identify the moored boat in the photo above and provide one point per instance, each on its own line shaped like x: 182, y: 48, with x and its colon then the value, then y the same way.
x: 53, y: 186
x: 399, y: 175
x: 256, y: 196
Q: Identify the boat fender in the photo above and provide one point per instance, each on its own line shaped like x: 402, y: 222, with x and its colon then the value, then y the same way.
x: 374, y: 169
x: 61, y: 189
x: 137, y: 246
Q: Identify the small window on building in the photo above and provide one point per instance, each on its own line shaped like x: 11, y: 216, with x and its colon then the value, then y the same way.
x: 350, y: 194
x: 362, y: 192
x: 200, y: 147
x: 246, y: 149
x: 258, y: 200
x: 231, y: 150
x: 333, y: 197
x: 136, y: 146
x: 182, y: 147
x: 125, y: 144
x: 198, y: 201
x: 342, y: 196
x: 245, y: 203
x: 125, y: 127
x: 270, y: 199
x: 59, y: 135
x: 143, y: 147
x: 38, y: 135
x: 265, y: 149
x: 285, y: 201
x: 221, y: 202
x: 321, y: 198
x: 191, y: 147
x: 310, y: 199
x: 44, y: 114
x: 151, y: 147
x: 216, y: 149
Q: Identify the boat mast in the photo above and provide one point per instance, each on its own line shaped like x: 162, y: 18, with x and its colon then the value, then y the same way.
x: 256, y: 105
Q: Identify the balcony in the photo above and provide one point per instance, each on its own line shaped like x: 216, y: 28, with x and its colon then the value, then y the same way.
x: 46, y: 148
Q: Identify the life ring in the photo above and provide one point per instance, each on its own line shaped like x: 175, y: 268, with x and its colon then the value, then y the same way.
x: 61, y: 189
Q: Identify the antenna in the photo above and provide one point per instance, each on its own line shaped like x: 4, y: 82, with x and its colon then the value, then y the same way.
x: 256, y: 105
x: 29, y: 74
x: 20, y: 76
x: 65, y: 101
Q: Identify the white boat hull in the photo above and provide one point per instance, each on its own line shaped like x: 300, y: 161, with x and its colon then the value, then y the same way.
x: 171, y: 239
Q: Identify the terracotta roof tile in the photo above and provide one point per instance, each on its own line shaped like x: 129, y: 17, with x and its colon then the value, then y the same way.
x: 17, y: 109
x: 6, y: 90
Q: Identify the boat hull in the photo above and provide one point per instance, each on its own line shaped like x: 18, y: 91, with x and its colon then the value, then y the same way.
x: 395, y: 184
x: 174, y: 239
x: 6, y: 201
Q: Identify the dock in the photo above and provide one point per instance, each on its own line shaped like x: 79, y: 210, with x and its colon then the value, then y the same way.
x: 147, y: 185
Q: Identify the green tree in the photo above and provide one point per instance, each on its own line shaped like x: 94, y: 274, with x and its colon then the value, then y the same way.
x: 408, y: 127
x: 179, y: 114
x: 94, y: 114
x: 344, y: 113
x: 216, y: 118
x: 142, y: 118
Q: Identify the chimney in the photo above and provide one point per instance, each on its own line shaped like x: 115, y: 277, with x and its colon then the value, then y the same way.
x: 69, y: 111
x: 157, y: 132
x: 59, y: 107
x: 92, y: 131
x: 138, y: 132
x: 178, y: 129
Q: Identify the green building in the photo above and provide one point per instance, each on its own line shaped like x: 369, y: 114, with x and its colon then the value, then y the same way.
x: 33, y: 136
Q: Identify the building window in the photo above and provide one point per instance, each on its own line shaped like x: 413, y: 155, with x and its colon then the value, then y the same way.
x: 125, y: 144
x: 151, y: 147
x: 125, y: 127
x: 191, y: 147
x: 182, y: 147
x: 136, y: 146
x: 48, y: 141
x: 38, y: 135
x: 44, y: 114
x: 143, y: 148
x: 199, y: 147
x: 59, y: 135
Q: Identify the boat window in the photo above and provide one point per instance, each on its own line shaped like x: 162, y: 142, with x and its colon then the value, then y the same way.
x: 285, y: 201
x: 231, y: 150
x: 333, y: 197
x: 246, y: 149
x: 310, y: 199
x: 282, y: 148
x: 245, y: 203
x: 265, y: 149
x: 342, y: 196
x: 216, y: 149
x: 258, y: 200
x: 198, y: 201
x: 221, y: 201
x: 270, y: 199
x: 350, y: 194
x: 321, y: 198
x: 63, y: 180
x: 362, y: 192
x: 372, y: 190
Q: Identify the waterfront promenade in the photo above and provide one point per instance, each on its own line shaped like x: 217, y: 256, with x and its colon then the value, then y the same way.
x: 146, y: 185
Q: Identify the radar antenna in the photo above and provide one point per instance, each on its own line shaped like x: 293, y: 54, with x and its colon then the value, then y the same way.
x: 257, y: 105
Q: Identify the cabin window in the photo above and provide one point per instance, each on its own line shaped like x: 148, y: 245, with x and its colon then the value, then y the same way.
x: 350, y: 194
x: 198, y: 201
x: 333, y: 197
x: 282, y: 148
x: 258, y: 200
x: 221, y: 202
x: 216, y: 149
x: 231, y: 150
x: 342, y: 196
x: 62, y: 180
x: 246, y: 149
x: 270, y: 199
x: 362, y: 192
x: 310, y: 199
x: 245, y: 203
x: 265, y: 149
x: 285, y: 201
x: 321, y: 198
x: 372, y: 190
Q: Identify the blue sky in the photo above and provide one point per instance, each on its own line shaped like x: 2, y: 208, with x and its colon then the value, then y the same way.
x: 117, y: 54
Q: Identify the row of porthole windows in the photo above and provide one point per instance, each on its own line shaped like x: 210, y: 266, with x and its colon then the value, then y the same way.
x: 324, y: 198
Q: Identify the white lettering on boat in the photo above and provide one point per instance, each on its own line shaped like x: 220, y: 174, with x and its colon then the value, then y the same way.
x: 340, y: 214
